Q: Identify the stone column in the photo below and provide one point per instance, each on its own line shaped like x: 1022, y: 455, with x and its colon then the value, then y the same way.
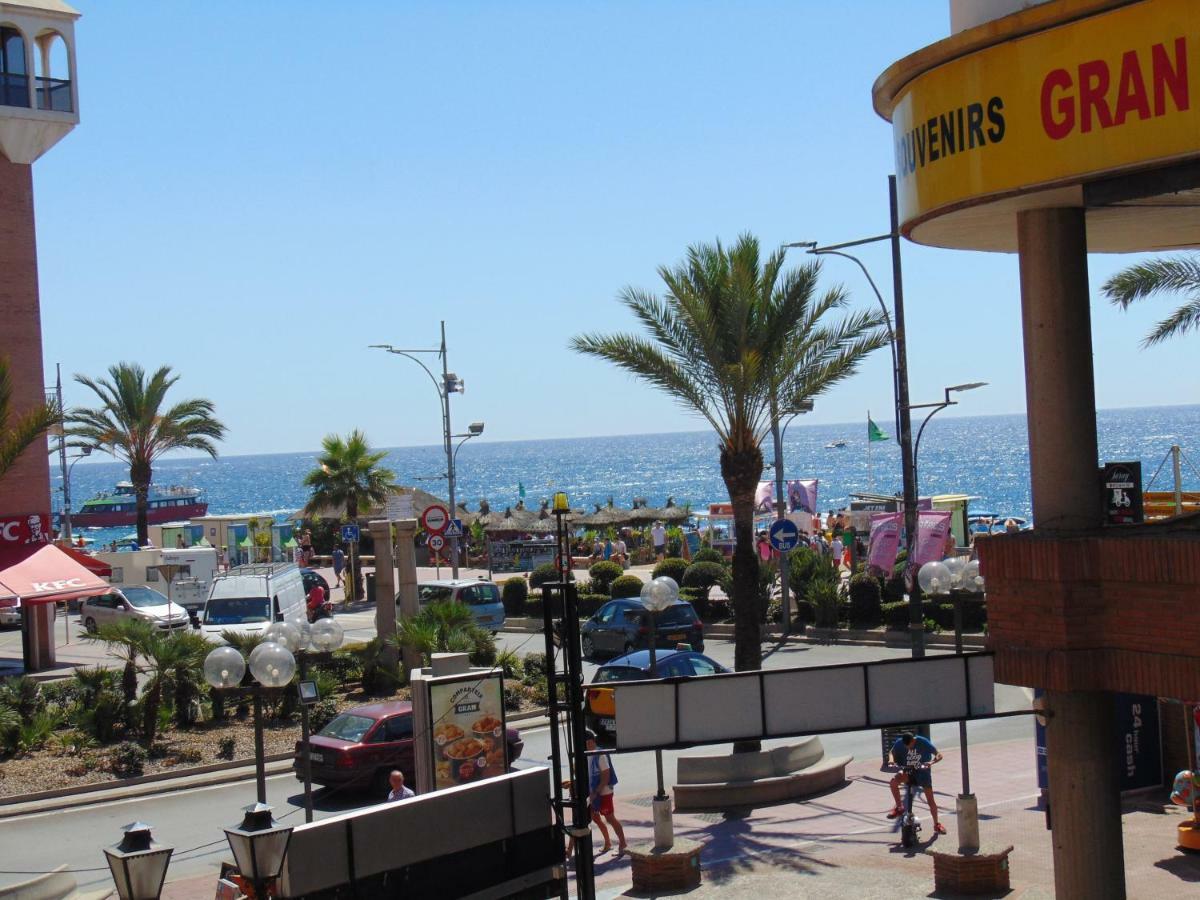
x: 1085, y: 798
x: 385, y: 590
x: 406, y: 565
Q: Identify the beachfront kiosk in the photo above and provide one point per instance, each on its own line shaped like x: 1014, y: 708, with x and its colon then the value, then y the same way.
x: 39, y: 105
x: 1052, y: 130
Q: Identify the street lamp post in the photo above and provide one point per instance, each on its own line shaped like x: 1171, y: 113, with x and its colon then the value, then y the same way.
x: 66, y: 510
x: 317, y: 644
x: 656, y: 596
x: 934, y: 409
x: 138, y: 864
x: 448, y: 384
x: 895, y: 327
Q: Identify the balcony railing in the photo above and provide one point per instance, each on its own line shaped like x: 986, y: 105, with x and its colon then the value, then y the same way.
x: 14, y: 90
x: 54, y: 94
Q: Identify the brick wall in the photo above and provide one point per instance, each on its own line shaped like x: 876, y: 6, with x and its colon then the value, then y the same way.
x: 26, y: 487
x: 1112, y: 611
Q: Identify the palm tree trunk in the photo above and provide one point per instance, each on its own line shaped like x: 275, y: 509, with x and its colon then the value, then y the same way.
x: 140, y: 474
x: 741, y: 472
x: 150, y: 713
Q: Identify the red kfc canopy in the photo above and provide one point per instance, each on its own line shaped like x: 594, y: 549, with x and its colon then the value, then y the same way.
x: 96, y: 566
x: 43, y: 573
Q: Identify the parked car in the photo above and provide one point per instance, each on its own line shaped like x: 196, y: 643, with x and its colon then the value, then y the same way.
x: 624, y: 625
x: 599, y: 705
x: 133, y: 602
x: 483, y: 597
x: 247, y: 599
x: 311, y: 579
x: 364, y: 744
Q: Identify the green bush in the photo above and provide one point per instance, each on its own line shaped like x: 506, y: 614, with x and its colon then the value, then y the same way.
x: 893, y: 589
x: 483, y: 647
x: 803, y: 564
x: 227, y: 746
x: 626, y: 586
x: 702, y: 576
x: 825, y: 597
x: 767, y: 575
x: 542, y: 574
x: 510, y: 662
x: 698, y: 599
x: 23, y: 694
x: 805, y: 613
x: 866, y: 599
x: 128, y: 760
x: 515, y: 592
x: 535, y: 667
x: 895, y: 615
x: 589, y: 604
x: 709, y: 554
x: 671, y: 567
x: 322, y: 713
x: 720, y: 609
x: 603, y: 574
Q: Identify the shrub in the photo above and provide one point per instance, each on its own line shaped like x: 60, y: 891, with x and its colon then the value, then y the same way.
x: 322, y: 713
x: 866, y: 598
x: 128, y: 760
x: 893, y: 589
x: 626, y: 586
x: 589, y: 604
x: 542, y: 574
x: 701, y: 576
x: 35, y: 731
x: 805, y: 613
x: 483, y: 647
x: 719, y: 609
x: 515, y: 592
x: 708, y: 554
x: 766, y: 586
x: 826, y: 600
x: 895, y: 615
x: 672, y: 567
x: 227, y: 746
x: 513, y: 695
x: 535, y: 667
x: 603, y: 574
x: 22, y: 693
x: 698, y: 599
x: 803, y: 564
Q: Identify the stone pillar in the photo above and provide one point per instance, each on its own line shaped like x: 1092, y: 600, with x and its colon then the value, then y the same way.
x: 1085, y: 799
x: 406, y: 565
x: 385, y: 590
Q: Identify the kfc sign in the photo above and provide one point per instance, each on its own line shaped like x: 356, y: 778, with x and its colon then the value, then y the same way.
x: 32, y: 528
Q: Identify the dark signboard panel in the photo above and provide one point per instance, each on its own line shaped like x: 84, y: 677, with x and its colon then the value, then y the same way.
x: 1122, y: 486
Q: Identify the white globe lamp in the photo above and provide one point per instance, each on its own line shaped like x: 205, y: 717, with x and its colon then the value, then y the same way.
x: 933, y: 577
x: 224, y: 667
x: 326, y: 635
x: 272, y: 664
x: 286, y: 634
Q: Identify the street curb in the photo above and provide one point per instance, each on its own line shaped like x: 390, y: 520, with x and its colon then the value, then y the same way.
x: 159, y: 783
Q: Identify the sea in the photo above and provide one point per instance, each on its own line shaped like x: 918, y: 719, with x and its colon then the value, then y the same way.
x: 986, y: 457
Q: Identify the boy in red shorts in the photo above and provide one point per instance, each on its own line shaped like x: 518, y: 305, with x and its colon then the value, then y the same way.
x: 600, y: 796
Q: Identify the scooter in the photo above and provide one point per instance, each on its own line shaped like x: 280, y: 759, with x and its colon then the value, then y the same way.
x: 910, y: 825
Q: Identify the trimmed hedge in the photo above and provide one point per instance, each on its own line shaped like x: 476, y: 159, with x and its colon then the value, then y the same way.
x: 514, y: 591
x: 603, y: 574
x: 626, y: 586
x: 708, y: 554
x: 543, y: 573
x: 866, y: 601
x: 702, y: 576
x: 672, y: 567
x: 589, y: 604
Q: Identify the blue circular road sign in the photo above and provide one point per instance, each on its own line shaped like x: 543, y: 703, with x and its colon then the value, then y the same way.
x: 784, y: 535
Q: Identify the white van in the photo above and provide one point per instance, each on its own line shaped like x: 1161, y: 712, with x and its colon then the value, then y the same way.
x: 247, y: 599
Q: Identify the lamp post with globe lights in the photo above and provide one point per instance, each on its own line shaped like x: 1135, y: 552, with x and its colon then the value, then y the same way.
x: 317, y: 645
x: 656, y: 596
x: 272, y: 666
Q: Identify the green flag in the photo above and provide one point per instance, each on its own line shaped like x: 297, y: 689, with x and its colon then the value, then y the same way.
x: 521, y: 490
x: 873, y: 432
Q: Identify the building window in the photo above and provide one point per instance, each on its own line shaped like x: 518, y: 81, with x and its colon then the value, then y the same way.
x: 14, y: 71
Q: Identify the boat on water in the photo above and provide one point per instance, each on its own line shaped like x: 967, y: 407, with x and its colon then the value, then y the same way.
x: 164, y: 504
x: 835, y: 445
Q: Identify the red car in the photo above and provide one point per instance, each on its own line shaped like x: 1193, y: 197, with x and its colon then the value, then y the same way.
x: 364, y: 744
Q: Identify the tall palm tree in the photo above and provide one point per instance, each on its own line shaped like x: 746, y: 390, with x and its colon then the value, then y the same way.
x: 739, y: 340
x: 17, y: 433
x: 133, y: 424
x: 348, y: 477
x: 1173, y: 275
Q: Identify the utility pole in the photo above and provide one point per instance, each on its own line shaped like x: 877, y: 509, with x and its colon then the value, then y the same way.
x: 449, y: 386
x: 780, y: 512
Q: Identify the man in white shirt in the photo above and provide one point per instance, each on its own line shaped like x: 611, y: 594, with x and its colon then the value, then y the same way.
x: 621, y: 553
x: 398, y: 791
x: 658, y: 536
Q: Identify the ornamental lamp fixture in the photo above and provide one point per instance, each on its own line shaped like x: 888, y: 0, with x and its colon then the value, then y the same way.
x: 138, y: 864
x: 259, y: 845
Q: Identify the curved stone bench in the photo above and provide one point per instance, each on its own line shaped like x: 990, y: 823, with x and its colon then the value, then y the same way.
x: 753, y: 779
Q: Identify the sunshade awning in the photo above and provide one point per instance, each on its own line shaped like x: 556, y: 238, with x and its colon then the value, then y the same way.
x: 96, y: 566
x: 43, y: 573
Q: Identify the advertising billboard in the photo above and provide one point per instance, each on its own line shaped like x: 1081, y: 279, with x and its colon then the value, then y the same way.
x: 467, y: 728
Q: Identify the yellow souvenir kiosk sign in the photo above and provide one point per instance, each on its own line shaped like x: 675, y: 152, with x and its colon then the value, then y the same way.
x: 1100, y: 94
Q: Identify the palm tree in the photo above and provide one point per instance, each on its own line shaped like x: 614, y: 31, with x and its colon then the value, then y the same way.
x: 740, y: 341
x: 1175, y: 275
x: 348, y: 476
x: 128, y: 640
x: 170, y: 658
x: 17, y: 433
x: 132, y: 424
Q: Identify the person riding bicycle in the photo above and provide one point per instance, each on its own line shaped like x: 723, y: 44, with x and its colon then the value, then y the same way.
x: 911, y: 752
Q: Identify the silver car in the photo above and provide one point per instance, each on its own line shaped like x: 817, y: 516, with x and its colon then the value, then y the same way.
x: 134, y: 602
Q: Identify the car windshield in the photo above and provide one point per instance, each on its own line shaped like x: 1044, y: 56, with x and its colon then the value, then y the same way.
x: 432, y: 593
x: 237, y: 610
x: 679, y: 614
x: 618, y: 673
x: 143, y: 596
x: 347, y: 727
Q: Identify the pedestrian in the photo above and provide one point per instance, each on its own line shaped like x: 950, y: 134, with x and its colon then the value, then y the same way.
x: 620, y: 554
x: 398, y: 791
x: 223, y: 561
x: 339, y: 563
x: 179, y: 545
x: 608, y: 548
x: 835, y: 549
x: 597, y: 550
x: 658, y: 536
x: 601, y: 779
x: 763, y: 547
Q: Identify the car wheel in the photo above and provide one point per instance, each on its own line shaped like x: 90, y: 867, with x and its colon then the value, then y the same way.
x: 90, y: 625
x: 589, y: 647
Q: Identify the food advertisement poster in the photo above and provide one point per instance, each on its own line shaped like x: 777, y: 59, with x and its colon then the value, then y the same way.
x: 467, y: 729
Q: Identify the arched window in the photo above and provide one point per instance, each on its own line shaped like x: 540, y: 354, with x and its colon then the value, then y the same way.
x: 53, y: 75
x: 14, y: 71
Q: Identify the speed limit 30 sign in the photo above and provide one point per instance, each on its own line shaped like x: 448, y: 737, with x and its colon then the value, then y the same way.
x: 436, y: 542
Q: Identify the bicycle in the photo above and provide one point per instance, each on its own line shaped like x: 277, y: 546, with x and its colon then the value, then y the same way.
x: 910, y: 825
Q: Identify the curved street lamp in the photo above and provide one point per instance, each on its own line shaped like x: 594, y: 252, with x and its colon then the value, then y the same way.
x: 934, y: 409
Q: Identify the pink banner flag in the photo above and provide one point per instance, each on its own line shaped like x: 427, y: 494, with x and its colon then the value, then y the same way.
x: 884, y: 543
x: 802, y: 496
x: 932, y: 528
x: 764, y: 497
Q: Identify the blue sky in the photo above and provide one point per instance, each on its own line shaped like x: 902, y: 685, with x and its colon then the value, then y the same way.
x: 257, y: 191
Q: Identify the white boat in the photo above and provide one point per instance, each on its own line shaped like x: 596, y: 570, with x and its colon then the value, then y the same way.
x: 835, y: 445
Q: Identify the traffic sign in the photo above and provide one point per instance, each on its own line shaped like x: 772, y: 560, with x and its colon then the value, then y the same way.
x: 436, y: 542
x: 435, y: 518
x: 349, y: 532
x: 454, y: 529
x: 784, y: 535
